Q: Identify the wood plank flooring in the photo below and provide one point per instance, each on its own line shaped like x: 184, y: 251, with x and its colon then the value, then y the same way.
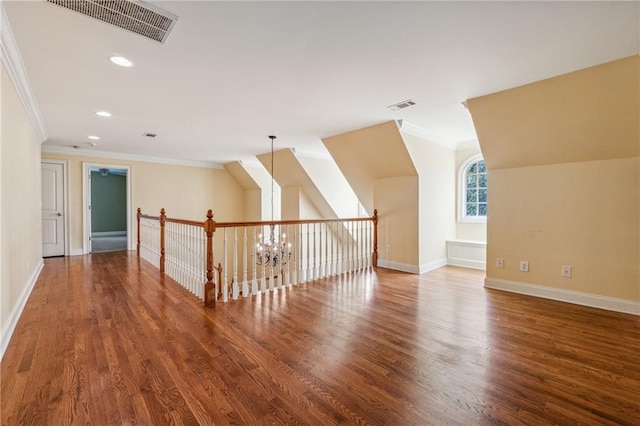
x: 103, y: 341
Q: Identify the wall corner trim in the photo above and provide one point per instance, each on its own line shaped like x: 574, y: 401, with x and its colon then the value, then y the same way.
x: 16, y: 312
x: 585, y: 299
x: 434, y: 264
x: 12, y: 61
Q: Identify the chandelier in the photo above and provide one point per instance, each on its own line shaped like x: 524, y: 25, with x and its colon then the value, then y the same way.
x: 273, y: 252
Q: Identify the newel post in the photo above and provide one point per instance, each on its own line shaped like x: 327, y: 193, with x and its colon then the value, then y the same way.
x: 374, y: 257
x: 209, y: 287
x: 163, y: 218
x: 138, y: 243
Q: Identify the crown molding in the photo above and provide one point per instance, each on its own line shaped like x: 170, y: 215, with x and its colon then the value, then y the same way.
x: 79, y: 152
x: 12, y: 61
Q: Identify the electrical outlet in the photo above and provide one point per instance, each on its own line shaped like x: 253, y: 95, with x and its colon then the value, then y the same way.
x: 388, y: 248
x: 566, y: 271
x: 524, y: 266
x: 500, y: 263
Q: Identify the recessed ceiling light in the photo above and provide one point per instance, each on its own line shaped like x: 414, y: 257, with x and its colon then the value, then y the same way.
x: 120, y: 60
x: 94, y: 138
x: 103, y: 113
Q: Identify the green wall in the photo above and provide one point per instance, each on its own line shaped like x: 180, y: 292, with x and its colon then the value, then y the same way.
x: 108, y: 203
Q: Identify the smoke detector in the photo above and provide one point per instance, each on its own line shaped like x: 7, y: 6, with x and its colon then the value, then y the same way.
x: 131, y: 15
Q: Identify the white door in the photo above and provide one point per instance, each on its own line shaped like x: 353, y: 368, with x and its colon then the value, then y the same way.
x: 52, y: 210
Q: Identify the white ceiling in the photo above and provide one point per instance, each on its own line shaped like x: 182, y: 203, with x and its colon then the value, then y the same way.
x: 232, y: 73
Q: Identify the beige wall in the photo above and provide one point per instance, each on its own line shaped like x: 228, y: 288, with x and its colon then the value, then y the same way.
x: 579, y: 214
x: 253, y: 205
x: 563, y: 158
x: 21, y: 226
x: 291, y: 203
x: 467, y: 230
x: 184, y: 192
x: 255, y: 181
x: 398, y: 221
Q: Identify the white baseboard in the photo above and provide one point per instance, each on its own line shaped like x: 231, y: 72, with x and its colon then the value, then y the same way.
x: 412, y: 269
x: 467, y: 263
x: 76, y: 252
x: 435, y: 264
x: 575, y: 297
x: 109, y: 234
x: 16, y: 312
x: 397, y: 266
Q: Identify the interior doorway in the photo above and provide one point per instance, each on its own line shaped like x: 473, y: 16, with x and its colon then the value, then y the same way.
x: 107, y: 207
x: 54, y: 197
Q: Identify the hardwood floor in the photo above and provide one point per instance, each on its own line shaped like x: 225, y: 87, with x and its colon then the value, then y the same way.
x: 103, y: 341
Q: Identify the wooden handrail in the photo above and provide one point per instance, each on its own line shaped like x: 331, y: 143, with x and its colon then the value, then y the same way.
x: 211, y: 293
x: 171, y: 219
x: 291, y: 222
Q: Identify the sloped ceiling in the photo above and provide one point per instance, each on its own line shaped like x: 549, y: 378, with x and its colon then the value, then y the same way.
x: 588, y: 115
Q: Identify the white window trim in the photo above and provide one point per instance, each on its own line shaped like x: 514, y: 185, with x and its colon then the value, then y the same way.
x: 462, y: 217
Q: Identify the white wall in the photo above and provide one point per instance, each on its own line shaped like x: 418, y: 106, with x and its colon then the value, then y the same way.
x: 436, y: 168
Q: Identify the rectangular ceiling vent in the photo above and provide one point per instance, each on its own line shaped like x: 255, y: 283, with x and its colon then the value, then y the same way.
x: 402, y: 105
x: 131, y: 15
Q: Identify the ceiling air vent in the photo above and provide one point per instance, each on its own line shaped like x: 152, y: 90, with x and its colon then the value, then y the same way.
x: 402, y: 105
x: 134, y: 16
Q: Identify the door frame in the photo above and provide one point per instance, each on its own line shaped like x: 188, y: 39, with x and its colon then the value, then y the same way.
x: 86, y: 202
x: 65, y: 198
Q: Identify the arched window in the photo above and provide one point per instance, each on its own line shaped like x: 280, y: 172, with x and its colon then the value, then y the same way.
x: 473, y: 190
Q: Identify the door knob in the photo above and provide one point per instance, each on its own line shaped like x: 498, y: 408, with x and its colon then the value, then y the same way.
x: 59, y: 214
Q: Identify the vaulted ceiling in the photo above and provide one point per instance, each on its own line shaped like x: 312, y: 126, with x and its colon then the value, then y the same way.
x: 231, y: 73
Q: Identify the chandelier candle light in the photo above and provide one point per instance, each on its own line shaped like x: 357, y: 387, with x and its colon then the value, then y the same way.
x: 273, y: 252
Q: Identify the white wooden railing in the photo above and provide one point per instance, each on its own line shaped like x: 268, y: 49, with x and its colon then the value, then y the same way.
x: 313, y: 249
